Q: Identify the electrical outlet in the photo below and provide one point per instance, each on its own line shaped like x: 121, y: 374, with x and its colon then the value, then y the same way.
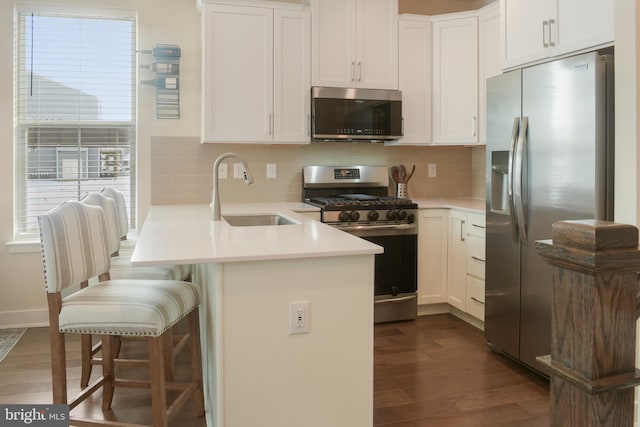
x: 431, y: 170
x: 298, y: 317
x: 238, y: 171
x: 222, y: 171
x: 272, y: 171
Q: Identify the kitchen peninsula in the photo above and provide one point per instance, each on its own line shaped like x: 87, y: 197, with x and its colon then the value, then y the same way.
x: 255, y: 372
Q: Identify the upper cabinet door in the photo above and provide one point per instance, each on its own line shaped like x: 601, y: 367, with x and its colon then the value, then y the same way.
x: 333, y: 42
x: 256, y: 75
x: 292, y: 76
x: 377, y: 44
x: 455, y: 81
x: 355, y: 43
x: 238, y: 67
x: 489, y: 61
x: 538, y: 30
x: 414, y: 58
x: 525, y: 35
x: 584, y: 24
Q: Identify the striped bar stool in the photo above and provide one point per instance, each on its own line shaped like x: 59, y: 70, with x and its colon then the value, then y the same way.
x: 126, y: 244
x: 76, y: 247
x: 121, y: 268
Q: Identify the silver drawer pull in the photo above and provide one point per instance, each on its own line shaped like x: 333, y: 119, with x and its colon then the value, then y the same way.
x: 477, y: 259
x: 478, y: 226
x: 477, y: 300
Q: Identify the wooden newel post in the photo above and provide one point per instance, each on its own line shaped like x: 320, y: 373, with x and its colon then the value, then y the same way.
x: 593, y: 322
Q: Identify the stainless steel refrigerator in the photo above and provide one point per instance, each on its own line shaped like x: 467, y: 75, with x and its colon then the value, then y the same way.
x: 549, y: 158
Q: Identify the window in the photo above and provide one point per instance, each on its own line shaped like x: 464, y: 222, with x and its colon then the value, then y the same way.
x: 75, y: 110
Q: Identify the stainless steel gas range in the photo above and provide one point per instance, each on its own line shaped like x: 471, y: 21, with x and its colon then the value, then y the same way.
x: 356, y: 200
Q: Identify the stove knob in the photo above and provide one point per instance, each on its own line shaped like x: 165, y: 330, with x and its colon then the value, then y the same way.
x: 373, y: 215
x: 411, y: 218
x: 355, y: 215
x: 344, y: 216
x: 392, y: 214
x: 402, y: 214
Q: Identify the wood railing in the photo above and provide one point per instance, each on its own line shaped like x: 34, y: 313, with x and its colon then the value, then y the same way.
x: 593, y: 322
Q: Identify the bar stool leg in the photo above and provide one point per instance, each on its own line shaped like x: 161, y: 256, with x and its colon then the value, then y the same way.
x: 157, y: 377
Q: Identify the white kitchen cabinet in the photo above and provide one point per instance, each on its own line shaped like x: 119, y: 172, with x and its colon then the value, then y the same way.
x: 415, y: 78
x: 455, y: 79
x: 489, y: 60
x: 457, y: 259
x: 465, y: 264
x: 256, y: 73
x: 451, y: 259
x: 534, y: 30
x: 355, y: 43
x: 474, y: 282
x: 432, y: 256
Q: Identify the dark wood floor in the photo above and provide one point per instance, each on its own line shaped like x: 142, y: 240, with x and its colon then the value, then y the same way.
x: 435, y: 371
x: 438, y: 371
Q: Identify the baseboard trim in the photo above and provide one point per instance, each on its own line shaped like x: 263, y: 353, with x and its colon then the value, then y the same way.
x: 24, y: 318
x: 428, y: 309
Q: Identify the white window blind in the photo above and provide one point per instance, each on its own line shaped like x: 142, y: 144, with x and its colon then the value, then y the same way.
x: 75, y: 111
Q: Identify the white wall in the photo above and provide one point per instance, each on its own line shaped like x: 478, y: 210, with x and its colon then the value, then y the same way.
x: 627, y: 112
x: 177, y: 22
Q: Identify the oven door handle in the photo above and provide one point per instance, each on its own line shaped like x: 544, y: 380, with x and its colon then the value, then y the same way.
x: 399, y: 227
x: 394, y: 300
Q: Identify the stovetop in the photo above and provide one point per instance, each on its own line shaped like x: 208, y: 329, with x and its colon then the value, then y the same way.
x: 360, y: 201
x: 364, y: 208
x: 355, y: 195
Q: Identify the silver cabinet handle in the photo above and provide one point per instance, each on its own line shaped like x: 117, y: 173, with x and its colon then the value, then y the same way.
x: 551, y: 42
x: 309, y: 124
x: 270, y: 124
x: 477, y: 259
x: 477, y: 300
x: 353, y: 72
x: 478, y: 226
x: 462, y: 223
x: 473, y: 126
x: 545, y: 27
x: 359, y: 71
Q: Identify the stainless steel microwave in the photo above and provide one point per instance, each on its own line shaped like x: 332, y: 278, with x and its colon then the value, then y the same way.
x: 352, y: 114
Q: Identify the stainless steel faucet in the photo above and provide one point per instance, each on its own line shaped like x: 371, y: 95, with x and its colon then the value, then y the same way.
x: 215, y: 197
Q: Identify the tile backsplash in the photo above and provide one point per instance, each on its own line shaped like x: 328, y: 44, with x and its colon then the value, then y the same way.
x: 181, y: 169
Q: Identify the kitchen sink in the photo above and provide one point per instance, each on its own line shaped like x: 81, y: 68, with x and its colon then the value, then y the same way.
x: 257, y: 220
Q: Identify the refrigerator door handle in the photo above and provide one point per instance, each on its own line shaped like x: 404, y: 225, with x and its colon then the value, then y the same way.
x: 512, y: 150
x: 518, y: 168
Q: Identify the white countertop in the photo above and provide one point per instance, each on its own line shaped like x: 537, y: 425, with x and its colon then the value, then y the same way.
x: 466, y: 204
x: 184, y: 234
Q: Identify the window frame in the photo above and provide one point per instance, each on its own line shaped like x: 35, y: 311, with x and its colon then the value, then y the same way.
x: 24, y: 237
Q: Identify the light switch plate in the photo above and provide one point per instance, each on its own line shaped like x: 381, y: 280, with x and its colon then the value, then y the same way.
x: 238, y: 171
x: 272, y: 171
x: 222, y: 171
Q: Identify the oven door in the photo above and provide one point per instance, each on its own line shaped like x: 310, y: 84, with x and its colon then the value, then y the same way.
x: 396, y: 270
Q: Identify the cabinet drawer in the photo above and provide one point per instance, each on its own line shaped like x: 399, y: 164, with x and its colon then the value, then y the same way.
x: 474, y: 304
x: 476, y: 225
x: 475, y: 257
